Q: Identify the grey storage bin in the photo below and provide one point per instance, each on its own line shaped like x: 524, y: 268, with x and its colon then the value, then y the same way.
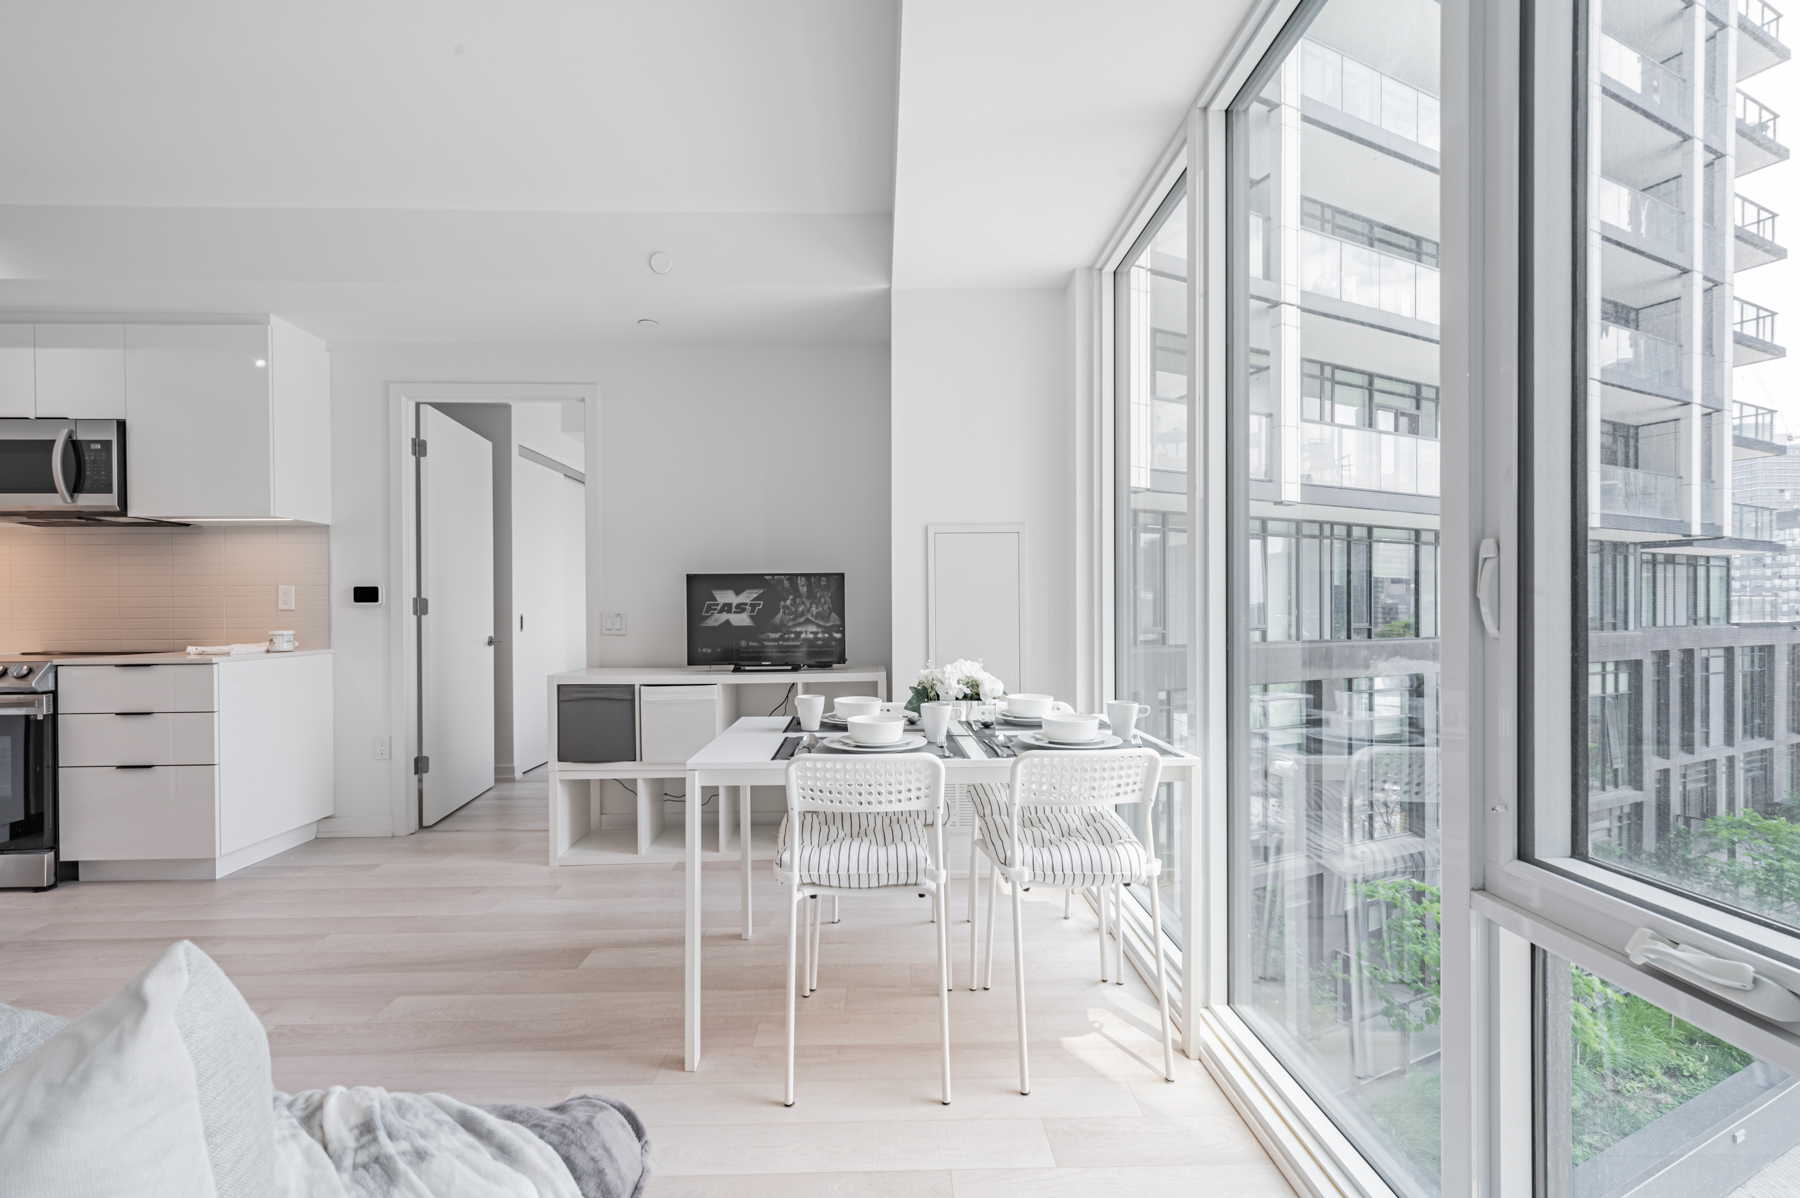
x: 596, y: 723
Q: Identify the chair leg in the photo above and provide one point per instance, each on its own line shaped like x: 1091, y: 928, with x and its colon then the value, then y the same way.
x: 1118, y: 934
x: 987, y: 982
x: 1162, y: 980
x: 974, y: 916
x: 835, y: 917
x: 793, y: 981
x: 1018, y: 913
x: 1100, y: 908
x: 1068, y: 893
x: 942, y: 899
x: 812, y: 980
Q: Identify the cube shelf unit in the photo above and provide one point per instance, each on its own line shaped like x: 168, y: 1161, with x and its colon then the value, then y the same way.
x: 581, y: 834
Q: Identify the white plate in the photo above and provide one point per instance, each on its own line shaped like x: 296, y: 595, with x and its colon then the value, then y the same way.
x: 1023, y: 721
x: 904, y: 744
x: 912, y: 717
x: 1038, y: 740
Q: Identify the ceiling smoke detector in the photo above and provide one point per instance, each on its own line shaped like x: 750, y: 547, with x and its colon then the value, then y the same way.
x: 661, y: 263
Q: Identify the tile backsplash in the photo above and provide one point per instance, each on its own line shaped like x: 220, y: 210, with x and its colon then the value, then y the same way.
x: 153, y: 589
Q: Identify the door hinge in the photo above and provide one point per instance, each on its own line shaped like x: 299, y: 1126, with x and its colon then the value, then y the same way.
x: 421, y: 607
x: 418, y: 447
x: 421, y: 765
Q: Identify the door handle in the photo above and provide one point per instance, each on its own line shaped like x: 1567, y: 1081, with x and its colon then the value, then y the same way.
x: 1487, y: 558
x: 56, y: 465
x: 490, y: 640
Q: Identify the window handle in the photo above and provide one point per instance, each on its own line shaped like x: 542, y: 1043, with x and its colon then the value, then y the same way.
x: 1734, y: 981
x: 1487, y: 558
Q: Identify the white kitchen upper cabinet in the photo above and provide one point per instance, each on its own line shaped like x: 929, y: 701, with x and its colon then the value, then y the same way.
x: 80, y: 371
x: 227, y: 421
x: 18, y: 372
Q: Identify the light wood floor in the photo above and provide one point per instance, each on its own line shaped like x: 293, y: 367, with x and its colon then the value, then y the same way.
x: 455, y: 960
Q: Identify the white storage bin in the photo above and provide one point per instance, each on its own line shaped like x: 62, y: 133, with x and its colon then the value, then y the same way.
x: 675, y: 722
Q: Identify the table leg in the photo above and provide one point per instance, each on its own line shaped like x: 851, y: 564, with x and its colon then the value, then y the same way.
x: 692, y: 883
x: 744, y: 851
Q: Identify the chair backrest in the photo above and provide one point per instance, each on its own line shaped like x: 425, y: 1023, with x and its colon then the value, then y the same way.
x: 1085, y: 777
x: 888, y: 782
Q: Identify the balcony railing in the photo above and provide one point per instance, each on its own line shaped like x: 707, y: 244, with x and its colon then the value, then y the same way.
x: 1359, y: 274
x: 1754, y: 320
x: 1627, y: 492
x: 1758, y: 424
x: 1757, y: 115
x: 1362, y: 91
x: 1336, y: 455
x: 1762, y: 16
x: 1662, y: 90
x: 1752, y: 523
x: 1640, y: 357
x: 1754, y: 219
x: 1644, y: 215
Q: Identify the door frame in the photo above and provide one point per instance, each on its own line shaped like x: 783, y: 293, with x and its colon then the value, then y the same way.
x: 403, y: 655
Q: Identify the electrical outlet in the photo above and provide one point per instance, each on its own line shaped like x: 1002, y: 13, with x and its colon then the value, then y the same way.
x: 284, y: 598
x: 612, y: 623
x: 383, y: 751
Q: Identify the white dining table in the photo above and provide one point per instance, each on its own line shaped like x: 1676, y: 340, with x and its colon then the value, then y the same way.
x: 744, y: 755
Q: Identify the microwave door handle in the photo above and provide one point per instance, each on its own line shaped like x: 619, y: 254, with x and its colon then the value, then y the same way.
x: 56, y: 467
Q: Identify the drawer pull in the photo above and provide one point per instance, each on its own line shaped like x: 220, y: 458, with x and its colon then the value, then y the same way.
x: 133, y: 665
x: 134, y: 713
x: 134, y: 767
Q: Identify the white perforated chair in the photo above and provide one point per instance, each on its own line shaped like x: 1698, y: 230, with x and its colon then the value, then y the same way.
x: 856, y: 824
x: 1057, y: 827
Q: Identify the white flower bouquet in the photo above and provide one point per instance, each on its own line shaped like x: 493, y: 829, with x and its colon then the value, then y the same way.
x: 960, y: 680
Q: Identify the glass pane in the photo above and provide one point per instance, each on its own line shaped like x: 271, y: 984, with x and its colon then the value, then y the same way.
x: 1334, y: 520
x: 1691, y: 616
x: 1153, y: 503
x: 1637, y: 1102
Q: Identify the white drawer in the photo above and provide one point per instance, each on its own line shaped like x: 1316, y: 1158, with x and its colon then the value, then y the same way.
x: 159, y: 738
x: 108, y: 689
x: 166, y: 812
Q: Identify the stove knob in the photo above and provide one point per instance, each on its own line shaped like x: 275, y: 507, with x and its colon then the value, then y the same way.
x: 21, y: 671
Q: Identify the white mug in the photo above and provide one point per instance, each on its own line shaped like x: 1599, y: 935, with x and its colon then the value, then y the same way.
x: 1124, y: 716
x: 809, y: 708
x: 935, y: 717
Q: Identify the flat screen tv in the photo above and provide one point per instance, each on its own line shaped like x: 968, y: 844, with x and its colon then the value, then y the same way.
x: 744, y: 620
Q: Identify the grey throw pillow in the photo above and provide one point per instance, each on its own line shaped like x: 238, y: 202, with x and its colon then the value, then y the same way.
x: 21, y: 1032
x: 230, y: 1052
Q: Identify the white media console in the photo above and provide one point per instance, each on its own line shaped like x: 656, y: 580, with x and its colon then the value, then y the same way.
x: 591, y: 825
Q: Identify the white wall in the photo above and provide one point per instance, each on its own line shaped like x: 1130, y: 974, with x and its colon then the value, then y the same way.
x: 981, y: 435
x: 713, y: 457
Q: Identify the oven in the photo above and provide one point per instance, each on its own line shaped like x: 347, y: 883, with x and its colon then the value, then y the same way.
x: 28, y: 788
x: 66, y: 467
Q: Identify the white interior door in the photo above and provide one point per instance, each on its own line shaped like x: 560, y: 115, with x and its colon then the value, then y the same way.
x: 549, y: 597
x: 456, y: 636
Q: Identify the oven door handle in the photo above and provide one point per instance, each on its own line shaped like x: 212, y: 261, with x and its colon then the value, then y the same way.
x: 31, y: 704
x: 56, y: 464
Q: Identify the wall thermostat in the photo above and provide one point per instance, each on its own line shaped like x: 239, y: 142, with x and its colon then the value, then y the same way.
x: 366, y: 596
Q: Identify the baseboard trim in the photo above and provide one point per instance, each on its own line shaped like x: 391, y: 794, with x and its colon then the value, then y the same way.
x: 196, y: 869
x: 356, y: 825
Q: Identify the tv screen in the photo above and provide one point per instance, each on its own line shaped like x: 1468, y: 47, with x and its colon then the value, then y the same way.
x: 765, y: 619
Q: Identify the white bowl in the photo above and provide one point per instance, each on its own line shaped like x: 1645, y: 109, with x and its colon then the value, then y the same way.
x: 1071, y: 729
x: 1030, y: 707
x: 876, y: 729
x: 855, y: 705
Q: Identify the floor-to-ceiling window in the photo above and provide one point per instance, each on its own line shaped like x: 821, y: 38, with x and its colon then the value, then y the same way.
x: 1152, y: 502
x: 1333, y: 427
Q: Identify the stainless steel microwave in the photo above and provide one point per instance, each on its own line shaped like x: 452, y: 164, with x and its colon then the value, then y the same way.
x: 65, y: 467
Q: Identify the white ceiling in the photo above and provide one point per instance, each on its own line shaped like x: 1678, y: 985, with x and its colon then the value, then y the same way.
x: 1027, y: 126
x: 411, y: 171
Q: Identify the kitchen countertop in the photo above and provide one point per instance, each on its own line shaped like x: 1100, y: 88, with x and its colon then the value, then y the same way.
x: 177, y: 659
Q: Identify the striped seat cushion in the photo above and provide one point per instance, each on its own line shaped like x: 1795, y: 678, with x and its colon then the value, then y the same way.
x: 856, y: 851
x: 1061, y: 846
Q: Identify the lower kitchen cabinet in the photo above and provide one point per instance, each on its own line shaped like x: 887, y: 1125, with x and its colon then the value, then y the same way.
x: 151, y: 788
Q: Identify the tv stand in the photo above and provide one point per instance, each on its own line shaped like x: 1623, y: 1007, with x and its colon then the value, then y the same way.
x: 766, y: 669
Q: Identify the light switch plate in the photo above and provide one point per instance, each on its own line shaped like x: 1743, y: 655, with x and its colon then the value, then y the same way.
x: 612, y: 623
x: 284, y: 598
